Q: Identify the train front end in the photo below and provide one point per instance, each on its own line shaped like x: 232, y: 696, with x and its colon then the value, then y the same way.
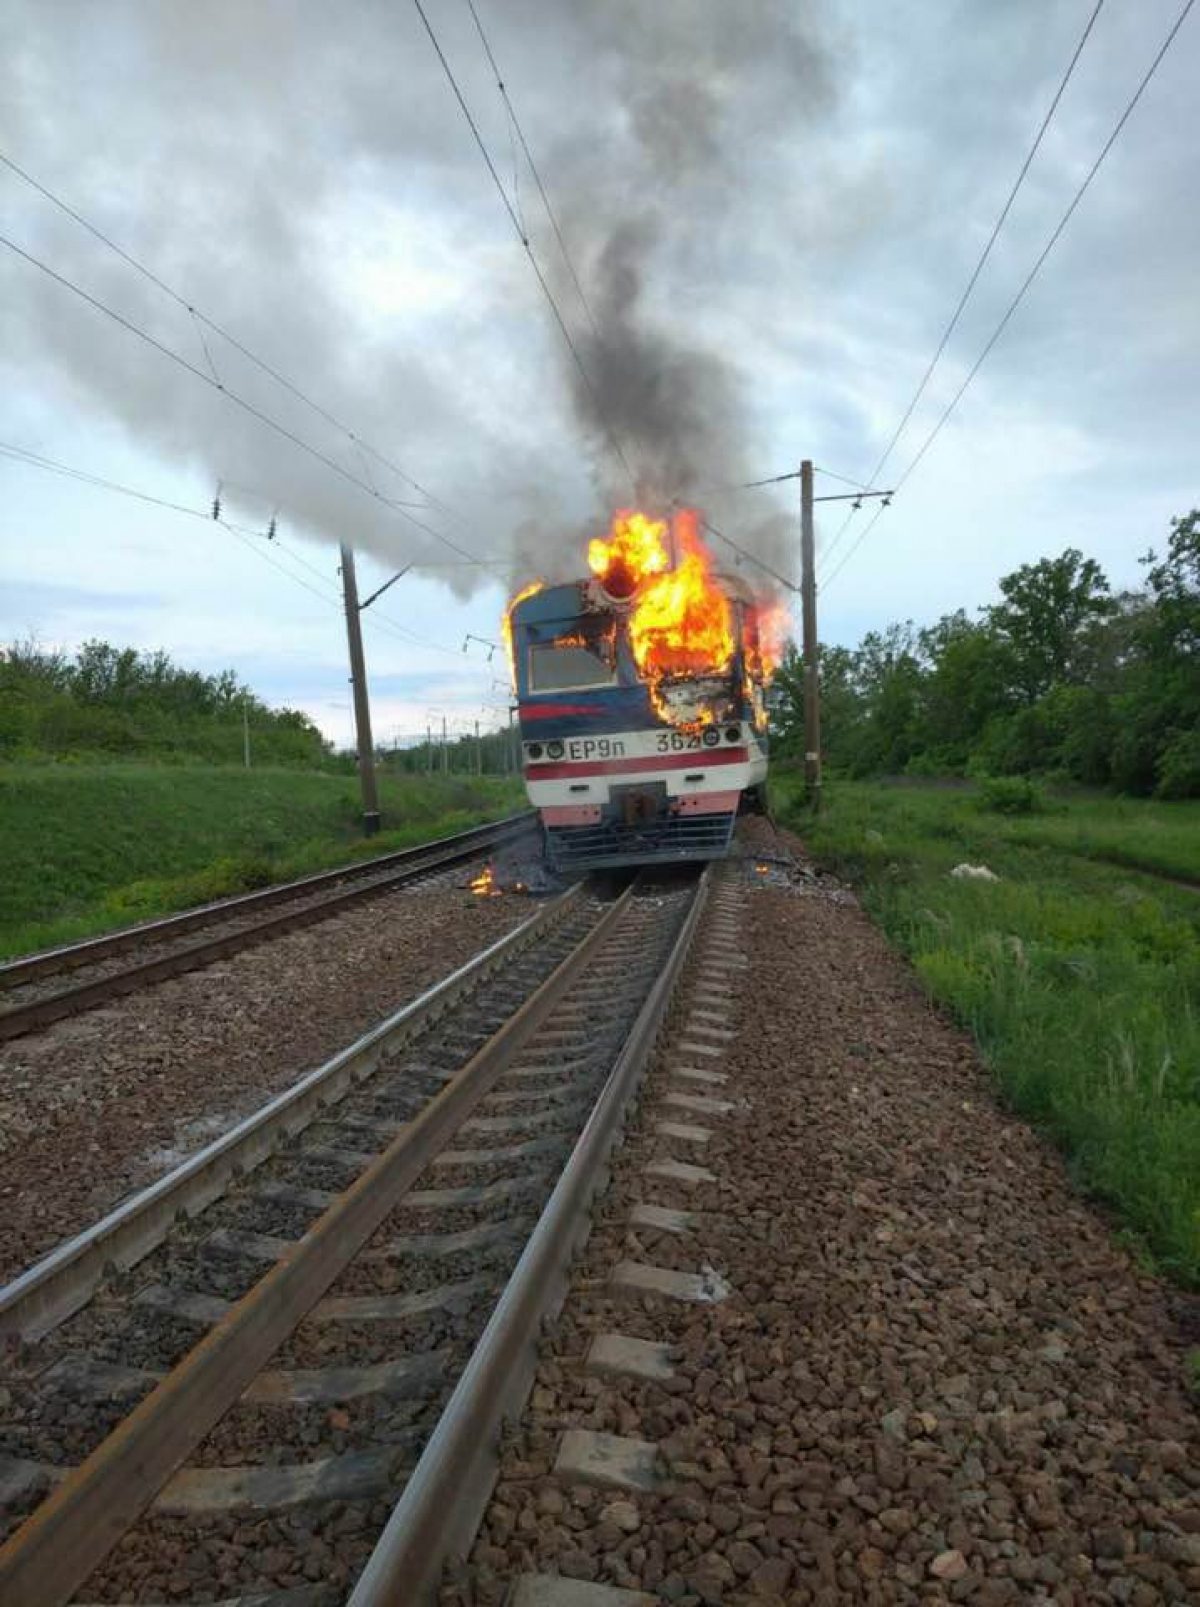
x: 641, y: 738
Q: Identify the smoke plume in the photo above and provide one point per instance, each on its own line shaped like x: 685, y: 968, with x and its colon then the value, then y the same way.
x: 304, y: 177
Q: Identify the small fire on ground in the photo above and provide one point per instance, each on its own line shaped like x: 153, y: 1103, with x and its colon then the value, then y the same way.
x: 488, y: 885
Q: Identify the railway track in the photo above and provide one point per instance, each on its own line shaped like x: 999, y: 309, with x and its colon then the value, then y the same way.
x: 31, y: 994
x: 219, y: 1391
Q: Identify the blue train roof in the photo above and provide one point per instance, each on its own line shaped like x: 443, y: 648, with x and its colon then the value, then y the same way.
x: 551, y: 604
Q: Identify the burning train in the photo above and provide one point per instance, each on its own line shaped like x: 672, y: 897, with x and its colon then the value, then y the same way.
x: 641, y: 698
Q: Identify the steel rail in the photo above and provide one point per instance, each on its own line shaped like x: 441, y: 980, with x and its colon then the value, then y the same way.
x: 76, y: 1526
x: 445, y: 1498
x: 49, y: 1291
x: 70, y: 956
x: 23, y: 1018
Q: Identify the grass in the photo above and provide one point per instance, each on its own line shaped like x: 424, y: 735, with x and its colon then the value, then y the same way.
x: 1139, y: 833
x: 1080, y: 981
x: 88, y: 847
x: 1162, y: 838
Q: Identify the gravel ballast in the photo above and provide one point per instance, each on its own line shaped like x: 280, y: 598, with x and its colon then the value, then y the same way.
x: 935, y: 1374
x: 99, y: 1105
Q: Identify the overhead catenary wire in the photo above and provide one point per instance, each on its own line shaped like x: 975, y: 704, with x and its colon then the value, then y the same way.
x: 788, y: 474
x: 750, y: 557
x: 202, y: 319
x: 240, y: 532
x: 515, y: 123
x: 1017, y: 299
x: 991, y: 241
x: 238, y: 401
x: 613, y: 439
x: 980, y: 264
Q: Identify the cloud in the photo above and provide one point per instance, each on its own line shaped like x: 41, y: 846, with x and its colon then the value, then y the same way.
x: 772, y: 209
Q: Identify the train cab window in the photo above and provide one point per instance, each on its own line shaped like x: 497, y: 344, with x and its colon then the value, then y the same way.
x: 561, y: 667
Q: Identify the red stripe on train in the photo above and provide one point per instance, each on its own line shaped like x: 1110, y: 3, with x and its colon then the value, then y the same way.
x: 701, y: 759
x: 555, y: 711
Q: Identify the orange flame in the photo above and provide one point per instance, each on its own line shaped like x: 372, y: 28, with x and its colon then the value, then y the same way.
x: 681, y: 621
x: 506, y: 625
x: 484, y: 885
x: 772, y: 624
x: 634, y: 551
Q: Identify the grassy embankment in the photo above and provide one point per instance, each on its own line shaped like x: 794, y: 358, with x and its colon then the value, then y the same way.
x: 1079, y: 979
x: 88, y: 847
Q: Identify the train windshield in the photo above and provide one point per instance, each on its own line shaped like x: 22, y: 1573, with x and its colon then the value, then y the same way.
x: 580, y: 657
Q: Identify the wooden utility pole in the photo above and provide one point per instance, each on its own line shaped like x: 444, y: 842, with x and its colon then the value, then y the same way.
x: 362, y: 703
x: 808, y: 602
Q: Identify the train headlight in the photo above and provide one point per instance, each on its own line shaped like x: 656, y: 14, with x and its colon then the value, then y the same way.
x: 554, y: 750
x: 733, y: 733
x: 533, y: 750
x: 711, y: 738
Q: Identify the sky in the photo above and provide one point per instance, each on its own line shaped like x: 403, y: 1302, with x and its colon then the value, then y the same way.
x: 769, y: 212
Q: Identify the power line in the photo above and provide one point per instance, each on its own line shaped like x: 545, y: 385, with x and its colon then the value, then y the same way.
x: 748, y: 556
x: 1031, y: 275
x: 991, y: 241
x: 1051, y: 242
x: 613, y: 441
x: 516, y: 124
x: 773, y: 479
x: 238, y: 401
x: 241, y: 533
x: 975, y: 272
x: 829, y: 474
x: 855, y: 545
x: 201, y: 318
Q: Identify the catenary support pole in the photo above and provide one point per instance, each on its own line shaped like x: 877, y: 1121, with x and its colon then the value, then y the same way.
x: 362, y: 704
x: 808, y: 599
x: 245, y: 733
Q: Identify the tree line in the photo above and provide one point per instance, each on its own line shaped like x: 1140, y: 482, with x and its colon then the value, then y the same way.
x: 1063, y: 677
x: 107, y: 701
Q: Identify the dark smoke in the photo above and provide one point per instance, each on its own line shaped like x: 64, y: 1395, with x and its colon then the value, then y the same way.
x: 705, y: 99
x: 303, y: 174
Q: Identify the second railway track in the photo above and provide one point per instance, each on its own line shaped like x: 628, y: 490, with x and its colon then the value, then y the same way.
x: 334, y: 1303
x: 33, y: 994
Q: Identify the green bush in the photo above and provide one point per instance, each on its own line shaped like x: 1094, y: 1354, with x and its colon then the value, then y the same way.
x: 1011, y: 795
x: 1179, y: 768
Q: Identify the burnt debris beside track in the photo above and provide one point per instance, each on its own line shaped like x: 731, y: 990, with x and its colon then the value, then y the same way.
x: 32, y: 994
x: 356, y: 1235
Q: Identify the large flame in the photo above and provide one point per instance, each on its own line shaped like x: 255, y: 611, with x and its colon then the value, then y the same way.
x: 680, y: 619
x: 766, y: 642
x: 635, y: 550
